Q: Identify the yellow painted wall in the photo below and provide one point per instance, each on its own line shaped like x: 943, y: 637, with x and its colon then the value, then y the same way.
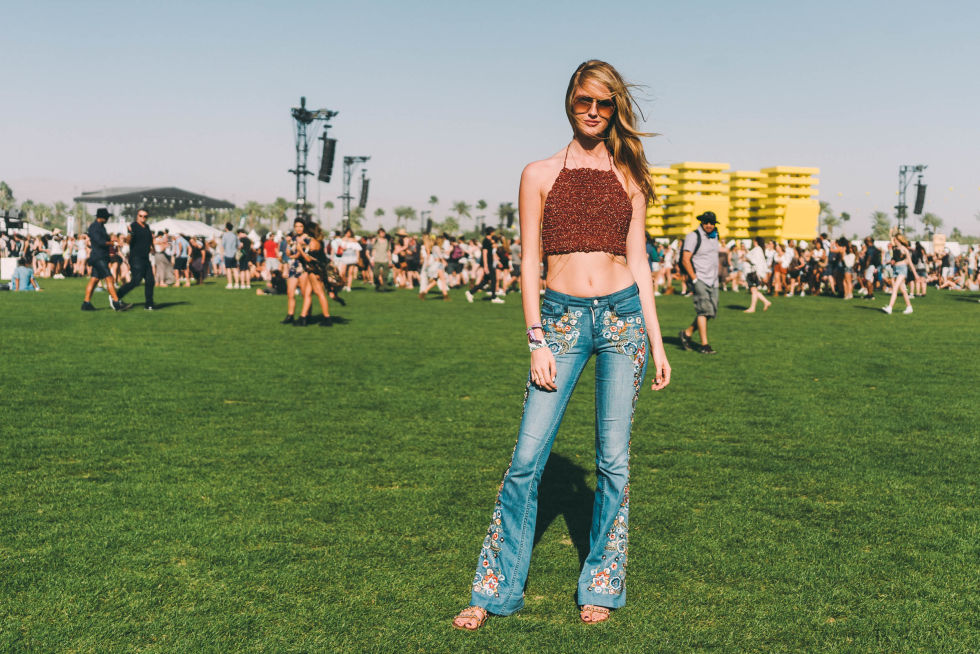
x: 777, y: 202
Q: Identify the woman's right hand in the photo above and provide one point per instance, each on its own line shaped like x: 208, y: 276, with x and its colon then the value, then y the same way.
x: 544, y: 371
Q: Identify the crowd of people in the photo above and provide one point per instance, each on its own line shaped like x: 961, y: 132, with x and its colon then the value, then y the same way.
x: 823, y: 266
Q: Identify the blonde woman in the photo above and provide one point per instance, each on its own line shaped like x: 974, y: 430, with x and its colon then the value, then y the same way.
x: 585, y: 208
x: 433, y: 267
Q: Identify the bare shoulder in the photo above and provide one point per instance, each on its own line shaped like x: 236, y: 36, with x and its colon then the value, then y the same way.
x: 542, y: 173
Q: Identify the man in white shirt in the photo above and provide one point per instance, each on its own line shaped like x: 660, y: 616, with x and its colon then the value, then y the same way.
x: 700, y: 260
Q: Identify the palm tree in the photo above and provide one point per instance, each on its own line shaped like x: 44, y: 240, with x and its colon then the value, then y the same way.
x: 448, y: 226
x: 932, y: 222
x: 277, y: 211
x: 60, y: 214
x: 481, y: 206
x: 42, y: 214
x: 881, y: 225
x: 7, y: 201
x: 462, y: 210
x: 27, y: 210
x: 355, y: 219
x: 504, y: 211
x: 255, y: 211
x: 404, y: 213
x: 825, y: 213
x: 830, y: 222
x: 379, y: 214
x: 433, y: 201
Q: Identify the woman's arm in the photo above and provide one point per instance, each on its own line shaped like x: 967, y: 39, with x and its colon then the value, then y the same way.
x: 636, y: 261
x: 530, y: 207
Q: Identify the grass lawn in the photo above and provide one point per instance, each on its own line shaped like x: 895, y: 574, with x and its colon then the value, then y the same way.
x: 202, y: 478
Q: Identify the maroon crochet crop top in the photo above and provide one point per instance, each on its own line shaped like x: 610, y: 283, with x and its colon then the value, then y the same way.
x: 587, y: 210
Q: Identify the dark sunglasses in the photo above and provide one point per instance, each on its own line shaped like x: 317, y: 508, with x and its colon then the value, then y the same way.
x: 583, y: 104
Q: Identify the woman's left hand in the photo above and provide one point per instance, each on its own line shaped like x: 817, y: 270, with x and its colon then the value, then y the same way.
x: 661, y: 368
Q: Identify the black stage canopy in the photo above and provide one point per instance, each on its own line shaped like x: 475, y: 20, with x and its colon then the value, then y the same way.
x: 153, y: 197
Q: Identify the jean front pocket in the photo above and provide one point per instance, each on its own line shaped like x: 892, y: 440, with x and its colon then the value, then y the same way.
x: 626, y: 333
x: 628, y: 307
x: 561, y: 332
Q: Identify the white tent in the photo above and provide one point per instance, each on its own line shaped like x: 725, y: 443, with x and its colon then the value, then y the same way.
x: 188, y: 227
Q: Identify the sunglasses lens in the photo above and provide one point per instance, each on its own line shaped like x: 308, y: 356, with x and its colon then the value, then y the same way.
x: 606, y: 108
x: 582, y: 105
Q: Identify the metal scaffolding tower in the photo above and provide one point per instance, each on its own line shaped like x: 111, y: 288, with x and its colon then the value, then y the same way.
x: 304, y: 118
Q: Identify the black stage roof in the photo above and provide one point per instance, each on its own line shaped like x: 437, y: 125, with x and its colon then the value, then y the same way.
x: 153, y: 196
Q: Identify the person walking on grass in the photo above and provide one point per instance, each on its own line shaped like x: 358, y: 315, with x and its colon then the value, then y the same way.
x: 296, y: 275
x: 699, y: 259
x: 381, y: 259
x: 757, y: 259
x: 99, y: 261
x: 489, y: 280
x: 140, y: 244
x: 312, y: 256
x: 901, y: 260
x: 229, y: 246
x: 585, y: 206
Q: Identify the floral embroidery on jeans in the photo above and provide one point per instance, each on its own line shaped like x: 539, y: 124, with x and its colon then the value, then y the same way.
x: 627, y: 334
x: 562, y: 333
x: 487, y: 581
x: 610, y: 578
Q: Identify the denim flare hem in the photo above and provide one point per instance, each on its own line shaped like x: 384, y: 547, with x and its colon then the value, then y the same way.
x: 610, y: 327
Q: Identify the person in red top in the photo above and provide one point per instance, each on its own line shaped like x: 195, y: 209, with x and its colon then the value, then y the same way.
x: 270, y: 250
x: 585, y: 208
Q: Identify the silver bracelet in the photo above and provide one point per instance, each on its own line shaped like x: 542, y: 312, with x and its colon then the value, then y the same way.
x: 536, y: 345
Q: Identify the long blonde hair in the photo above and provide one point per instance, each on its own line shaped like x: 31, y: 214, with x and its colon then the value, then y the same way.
x: 622, y: 137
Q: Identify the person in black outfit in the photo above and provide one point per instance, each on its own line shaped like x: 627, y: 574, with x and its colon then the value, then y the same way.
x: 99, y: 260
x: 871, y: 264
x: 489, y: 270
x: 140, y: 244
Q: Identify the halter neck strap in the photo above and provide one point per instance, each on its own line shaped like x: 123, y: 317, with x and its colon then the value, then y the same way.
x: 564, y: 164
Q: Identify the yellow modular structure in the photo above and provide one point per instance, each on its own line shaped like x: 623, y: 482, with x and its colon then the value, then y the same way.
x: 788, y: 208
x: 663, y: 184
x: 697, y: 187
x: 745, y: 189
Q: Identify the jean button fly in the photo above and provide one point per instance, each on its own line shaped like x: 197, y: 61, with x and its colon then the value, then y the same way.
x: 595, y: 302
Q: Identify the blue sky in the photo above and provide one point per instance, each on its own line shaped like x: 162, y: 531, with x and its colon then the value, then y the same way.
x: 453, y: 98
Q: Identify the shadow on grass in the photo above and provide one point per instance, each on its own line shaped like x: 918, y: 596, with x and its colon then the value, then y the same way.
x: 973, y: 298
x: 868, y: 307
x: 563, y: 492
x: 737, y: 307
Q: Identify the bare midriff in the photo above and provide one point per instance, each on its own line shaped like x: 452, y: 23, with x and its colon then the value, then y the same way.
x: 588, y: 274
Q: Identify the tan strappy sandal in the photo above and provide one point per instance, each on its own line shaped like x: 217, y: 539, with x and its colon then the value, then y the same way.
x: 464, y: 617
x: 591, y: 614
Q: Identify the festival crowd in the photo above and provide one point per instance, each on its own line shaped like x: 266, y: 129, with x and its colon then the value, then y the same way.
x: 422, y: 262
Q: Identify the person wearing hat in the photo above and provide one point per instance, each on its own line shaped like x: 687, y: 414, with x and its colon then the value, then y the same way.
x: 700, y: 260
x: 98, y: 239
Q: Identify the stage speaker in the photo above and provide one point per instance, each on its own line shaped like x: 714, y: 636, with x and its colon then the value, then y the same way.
x: 362, y: 203
x: 920, y: 198
x: 428, y: 226
x: 510, y: 219
x: 326, y: 161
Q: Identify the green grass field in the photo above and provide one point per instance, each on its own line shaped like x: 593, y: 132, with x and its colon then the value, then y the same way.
x: 203, y: 479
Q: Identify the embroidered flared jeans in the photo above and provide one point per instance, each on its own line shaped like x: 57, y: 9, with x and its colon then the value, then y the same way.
x: 611, y: 328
